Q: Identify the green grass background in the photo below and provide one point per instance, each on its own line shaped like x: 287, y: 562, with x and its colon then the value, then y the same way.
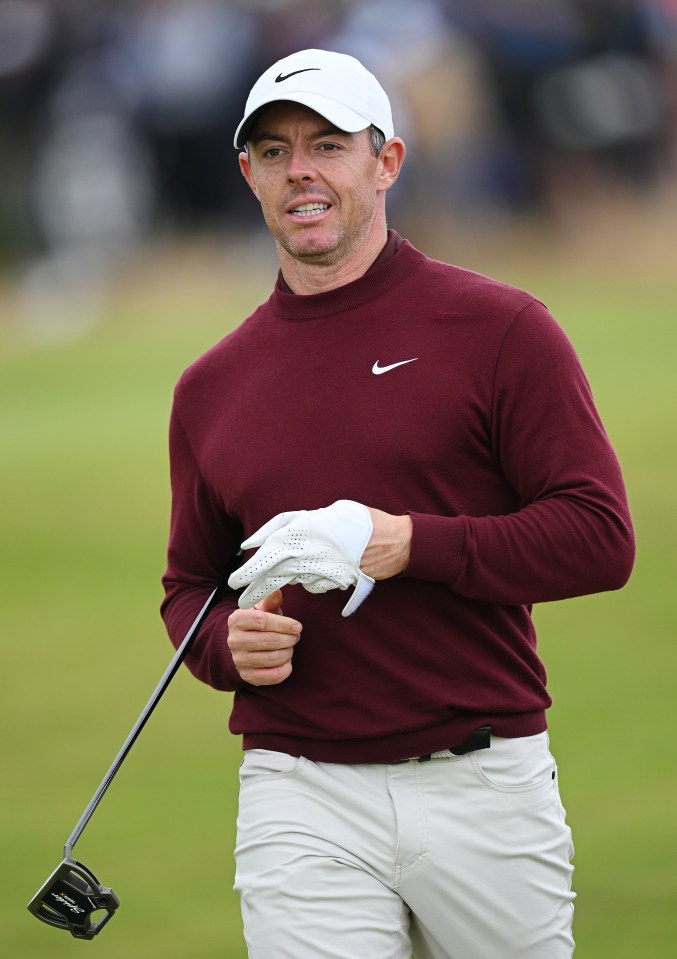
x: 83, y: 520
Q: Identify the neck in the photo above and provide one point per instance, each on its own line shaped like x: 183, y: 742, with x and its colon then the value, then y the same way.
x: 306, y: 278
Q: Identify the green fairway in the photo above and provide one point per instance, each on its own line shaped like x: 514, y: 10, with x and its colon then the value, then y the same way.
x: 83, y: 524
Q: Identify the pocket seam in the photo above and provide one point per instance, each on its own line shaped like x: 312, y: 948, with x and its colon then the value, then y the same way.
x: 503, y: 787
x: 274, y: 774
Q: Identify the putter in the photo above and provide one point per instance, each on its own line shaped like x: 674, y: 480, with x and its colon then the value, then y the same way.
x: 73, y: 898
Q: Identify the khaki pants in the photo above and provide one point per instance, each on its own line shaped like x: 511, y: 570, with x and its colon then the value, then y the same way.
x: 462, y: 857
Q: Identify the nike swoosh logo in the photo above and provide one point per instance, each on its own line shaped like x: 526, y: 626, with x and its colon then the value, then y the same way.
x: 279, y: 78
x: 377, y: 370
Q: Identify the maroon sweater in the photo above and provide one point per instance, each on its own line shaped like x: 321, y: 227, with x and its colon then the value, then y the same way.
x: 491, y: 441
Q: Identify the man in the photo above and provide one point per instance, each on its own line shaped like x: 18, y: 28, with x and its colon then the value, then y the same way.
x: 424, y: 438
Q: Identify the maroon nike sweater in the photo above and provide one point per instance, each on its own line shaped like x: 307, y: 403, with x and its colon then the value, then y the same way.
x: 487, y: 436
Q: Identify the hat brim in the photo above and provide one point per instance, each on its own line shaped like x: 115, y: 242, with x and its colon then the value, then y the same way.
x: 340, y: 116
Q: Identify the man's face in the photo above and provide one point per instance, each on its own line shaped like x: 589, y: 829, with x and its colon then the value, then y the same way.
x: 319, y: 188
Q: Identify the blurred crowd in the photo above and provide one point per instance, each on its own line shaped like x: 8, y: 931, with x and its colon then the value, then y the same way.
x: 116, y: 118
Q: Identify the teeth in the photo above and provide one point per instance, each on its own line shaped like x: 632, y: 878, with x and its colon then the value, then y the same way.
x: 310, y: 209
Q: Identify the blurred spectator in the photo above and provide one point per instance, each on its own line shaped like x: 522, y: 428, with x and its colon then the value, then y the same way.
x: 30, y: 52
x: 577, y: 88
x: 190, y: 64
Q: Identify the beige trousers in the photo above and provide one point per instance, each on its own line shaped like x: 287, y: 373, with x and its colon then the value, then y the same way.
x: 461, y: 857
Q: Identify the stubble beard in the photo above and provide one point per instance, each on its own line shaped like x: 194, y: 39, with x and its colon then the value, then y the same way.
x: 328, y: 249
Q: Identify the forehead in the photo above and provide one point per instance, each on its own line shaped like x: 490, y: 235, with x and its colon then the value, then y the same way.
x: 285, y: 116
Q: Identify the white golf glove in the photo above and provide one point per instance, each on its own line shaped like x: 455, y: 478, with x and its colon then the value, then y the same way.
x: 321, y: 549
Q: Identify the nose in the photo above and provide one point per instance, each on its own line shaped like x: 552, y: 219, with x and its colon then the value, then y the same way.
x: 301, y: 168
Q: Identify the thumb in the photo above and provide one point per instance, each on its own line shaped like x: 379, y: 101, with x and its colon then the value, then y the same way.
x: 272, y: 603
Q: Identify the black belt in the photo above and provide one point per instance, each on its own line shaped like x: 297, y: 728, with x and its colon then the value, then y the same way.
x: 480, y: 739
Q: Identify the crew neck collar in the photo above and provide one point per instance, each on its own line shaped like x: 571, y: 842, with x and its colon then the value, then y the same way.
x: 395, y: 261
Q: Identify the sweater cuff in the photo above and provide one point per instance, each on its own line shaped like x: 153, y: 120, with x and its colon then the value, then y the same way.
x: 210, y: 659
x: 437, y: 544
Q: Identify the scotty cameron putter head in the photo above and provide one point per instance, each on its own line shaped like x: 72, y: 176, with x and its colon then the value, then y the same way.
x: 73, y: 899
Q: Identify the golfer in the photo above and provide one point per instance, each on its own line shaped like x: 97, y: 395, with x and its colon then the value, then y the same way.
x: 410, y: 456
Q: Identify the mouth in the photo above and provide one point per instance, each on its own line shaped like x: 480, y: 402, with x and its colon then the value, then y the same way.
x: 309, y: 210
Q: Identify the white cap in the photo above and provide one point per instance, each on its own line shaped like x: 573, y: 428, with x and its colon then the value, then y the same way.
x: 334, y: 85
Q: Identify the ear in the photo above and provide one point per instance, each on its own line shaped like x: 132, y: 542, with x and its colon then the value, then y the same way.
x: 391, y: 159
x: 245, y: 167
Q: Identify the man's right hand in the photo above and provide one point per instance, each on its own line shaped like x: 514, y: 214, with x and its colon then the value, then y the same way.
x: 262, y: 641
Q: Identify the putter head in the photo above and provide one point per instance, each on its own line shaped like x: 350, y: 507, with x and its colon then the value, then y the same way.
x: 70, y: 898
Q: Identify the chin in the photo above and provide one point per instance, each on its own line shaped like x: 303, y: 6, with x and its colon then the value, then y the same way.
x: 305, y: 248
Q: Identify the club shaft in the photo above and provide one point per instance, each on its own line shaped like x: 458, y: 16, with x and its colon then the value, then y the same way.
x: 169, y: 673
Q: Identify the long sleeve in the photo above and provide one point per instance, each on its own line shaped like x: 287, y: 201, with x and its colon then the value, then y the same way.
x: 572, y: 532
x: 201, y: 544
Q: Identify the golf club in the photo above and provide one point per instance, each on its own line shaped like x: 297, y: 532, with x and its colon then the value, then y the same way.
x: 73, y: 898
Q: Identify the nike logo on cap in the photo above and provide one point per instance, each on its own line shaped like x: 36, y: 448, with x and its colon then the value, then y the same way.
x: 377, y: 370
x: 279, y: 78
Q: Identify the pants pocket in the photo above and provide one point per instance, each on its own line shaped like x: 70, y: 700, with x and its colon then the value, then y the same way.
x: 267, y: 764
x: 515, y: 765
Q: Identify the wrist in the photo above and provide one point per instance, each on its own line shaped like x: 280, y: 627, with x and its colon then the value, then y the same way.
x: 387, y: 553
x: 401, y: 560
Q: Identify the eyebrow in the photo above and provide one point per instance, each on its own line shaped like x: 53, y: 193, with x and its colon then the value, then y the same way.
x: 329, y: 131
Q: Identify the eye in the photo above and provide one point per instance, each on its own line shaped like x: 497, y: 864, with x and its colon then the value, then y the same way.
x: 273, y: 152
x: 329, y: 147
